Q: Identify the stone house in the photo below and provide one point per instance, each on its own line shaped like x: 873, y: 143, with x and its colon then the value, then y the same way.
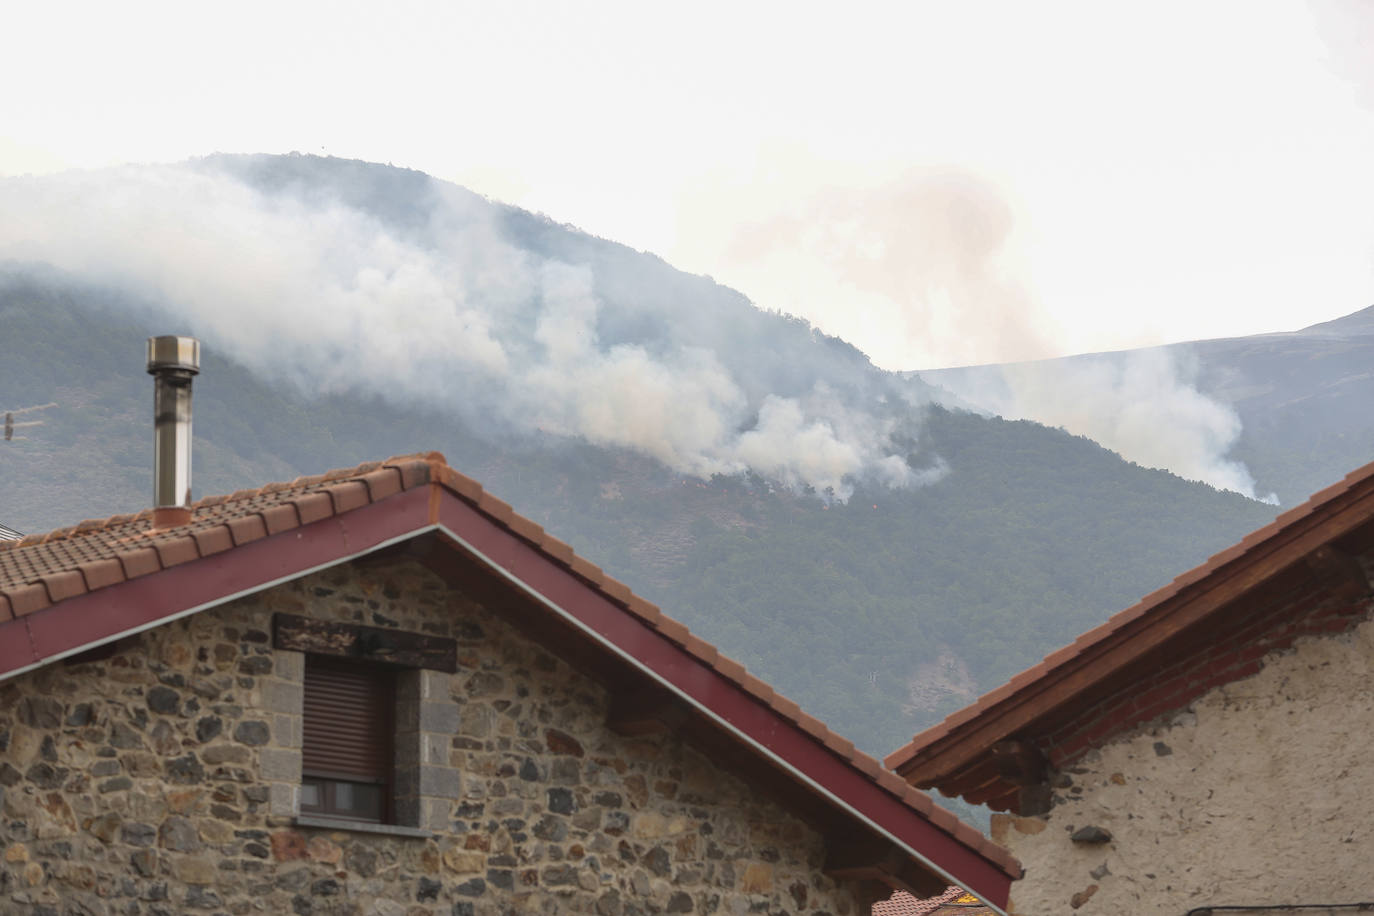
x: 382, y: 691
x: 1208, y: 747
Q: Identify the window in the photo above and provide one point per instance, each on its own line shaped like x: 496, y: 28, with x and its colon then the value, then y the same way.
x: 347, y: 753
x: 372, y: 718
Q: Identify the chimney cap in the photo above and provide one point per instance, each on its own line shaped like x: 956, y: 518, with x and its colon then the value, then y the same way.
x: 175, y: 353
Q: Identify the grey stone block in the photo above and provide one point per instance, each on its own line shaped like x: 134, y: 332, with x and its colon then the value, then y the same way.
x: 435, y: 814
x: 283, y: 798
x: 289, y: 666
x: 408, y: 811
x: 286, y: 731
x: 441, y: 717
x: 440, y: 782
x: 277, y: 764
x: 434, y: 749
x: 435, y: 685
x: 406, y: 782
x: 283, y: 696
x: 409, y: 687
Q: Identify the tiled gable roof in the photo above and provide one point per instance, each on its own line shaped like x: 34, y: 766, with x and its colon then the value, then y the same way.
x: 42, y: 569
x: 955, y: 900
x: 956, y: 755
x: 40, y: 572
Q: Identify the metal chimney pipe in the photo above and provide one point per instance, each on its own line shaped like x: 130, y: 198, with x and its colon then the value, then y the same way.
x: 172, y: 362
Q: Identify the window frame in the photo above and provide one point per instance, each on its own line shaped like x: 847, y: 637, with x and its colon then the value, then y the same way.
x: 422, y: 716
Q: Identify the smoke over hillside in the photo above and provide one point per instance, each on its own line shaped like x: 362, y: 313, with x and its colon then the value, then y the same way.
x: 384, y: 281
x: 1144, y: 405
x: 347, y: 277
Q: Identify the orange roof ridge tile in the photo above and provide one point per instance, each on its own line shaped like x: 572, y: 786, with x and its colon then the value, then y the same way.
x: 463, y: 485
x: 562, y: 552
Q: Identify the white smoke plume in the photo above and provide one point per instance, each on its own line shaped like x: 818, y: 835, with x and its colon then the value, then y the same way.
x: 1144, y: 405
x: 928, y: 256
x: 302, y: 286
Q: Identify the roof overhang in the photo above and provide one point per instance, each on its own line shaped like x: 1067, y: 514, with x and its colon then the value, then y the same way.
x: 991, y: 750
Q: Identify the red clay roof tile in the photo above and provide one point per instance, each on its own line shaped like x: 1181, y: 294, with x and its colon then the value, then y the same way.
x: 212, y: 540
x: 175, y: 551
x: 414, y: 471
x: 497, y: 509
x: 246, y: 528
x: 464, y: 486
x: 25, y: 599
x: 589, y: 571
x: 139, y: 561
x: 839, y: 744
x: 646, y: 610
x: 673, y: 630
x: 279, y: 518
x: 348, y: 495
x: 63, y: 585
x: 314, y: 507
x: 528, y: 530
x: 809, y: 724
x: 705, y: 651
x: 902, y: 903
x: 382, y: 483
x: 103, y: 572
x: 562, y: 553
x: 783, y: 705
x: 616, y: 590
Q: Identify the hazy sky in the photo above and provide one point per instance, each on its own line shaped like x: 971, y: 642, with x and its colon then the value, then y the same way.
x: 940, y: 183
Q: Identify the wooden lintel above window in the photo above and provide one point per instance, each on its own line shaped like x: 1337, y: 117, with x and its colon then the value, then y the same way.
x: 373, y: 644
x: 872, y: 858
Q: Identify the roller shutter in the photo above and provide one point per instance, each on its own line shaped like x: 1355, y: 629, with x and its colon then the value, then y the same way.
x: 348, y: 721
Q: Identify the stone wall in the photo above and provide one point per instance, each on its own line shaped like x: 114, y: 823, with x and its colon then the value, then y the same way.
x: 161, y: 780
x: 1261, y: 791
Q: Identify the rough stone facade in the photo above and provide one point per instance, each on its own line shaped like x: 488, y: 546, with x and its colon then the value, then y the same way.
x: 1257, y: 792
x: 163, y: 779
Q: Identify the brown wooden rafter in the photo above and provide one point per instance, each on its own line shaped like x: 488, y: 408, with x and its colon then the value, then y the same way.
x: 1339, y: 572
x: 870, y: 858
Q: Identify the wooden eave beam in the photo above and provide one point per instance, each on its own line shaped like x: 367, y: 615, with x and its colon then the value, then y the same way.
x: 638, y: 712
x: 870, y: 858
x: 1339, y: 572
